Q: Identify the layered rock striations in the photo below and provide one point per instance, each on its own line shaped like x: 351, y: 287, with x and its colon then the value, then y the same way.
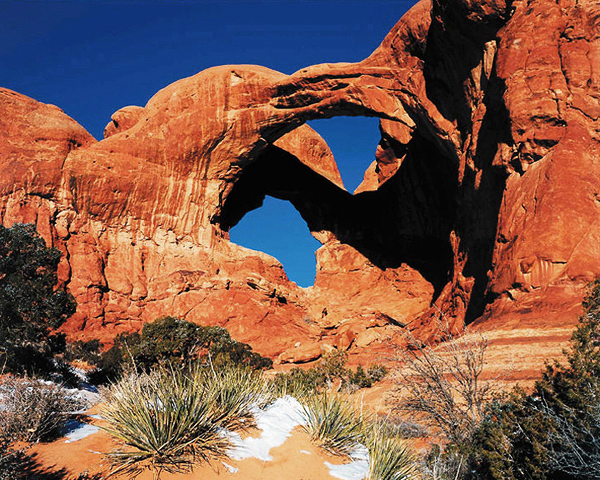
x: 482, y: 202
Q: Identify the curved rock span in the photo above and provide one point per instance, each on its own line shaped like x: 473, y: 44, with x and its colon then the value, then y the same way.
x: 482, y: 202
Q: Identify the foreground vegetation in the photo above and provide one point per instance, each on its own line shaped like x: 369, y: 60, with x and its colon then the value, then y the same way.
x: 166, y: 341
x: 554, y: 431
x: 550, y: 433
x: 335, y: 425
x: 31, y: 410
x: 186, y: 415
x: 181, y: 417
x: 330, y: 370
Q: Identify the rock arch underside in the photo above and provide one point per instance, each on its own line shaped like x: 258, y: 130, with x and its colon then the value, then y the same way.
x: 482, y: 203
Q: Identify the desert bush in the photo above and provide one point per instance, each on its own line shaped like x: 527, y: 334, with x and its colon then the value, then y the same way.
x: 30, y: 303
x: 362, y: 378
x: 510, y: 443
x: 553, y: 432
x: 237, y: 392
x: 331, y: 368
x: 335, y: 425
x: 164, y: 422
x: 444, y: 464
x: 575, y: 440
x: 332, y: 423
x: 11, y: 460
x: 88, y: 351
x: 32, y: 410
x: 442, y: 386
x: 171, y: 340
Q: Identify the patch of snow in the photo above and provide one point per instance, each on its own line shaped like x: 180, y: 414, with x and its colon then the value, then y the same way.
x: 275, y: 422
x: 357, y: 469
x: 230, y: 468
x: 75, y: 430
x: 84, y: 380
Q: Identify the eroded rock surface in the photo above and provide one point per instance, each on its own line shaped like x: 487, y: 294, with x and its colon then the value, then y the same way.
x: 483, y: 199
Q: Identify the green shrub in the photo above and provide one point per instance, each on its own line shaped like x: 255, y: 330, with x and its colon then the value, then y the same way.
x: 337, y: 427
x: 169, y: 340
x: 164, y: 422
x: 553, y: 432
x: 237, y: 391
x: 365, y: 379
x: 30, y: 303
x: 331, y: 368
x: 88, y: 351
x: 171, y: 419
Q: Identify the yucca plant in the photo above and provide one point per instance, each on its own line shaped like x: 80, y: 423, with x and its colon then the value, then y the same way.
x: 333, y: 423
x: 237, y: 392
x: 165, y: 421
x: 389, y: 457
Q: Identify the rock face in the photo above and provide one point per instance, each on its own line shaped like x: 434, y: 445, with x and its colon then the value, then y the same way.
x: 483, y: 199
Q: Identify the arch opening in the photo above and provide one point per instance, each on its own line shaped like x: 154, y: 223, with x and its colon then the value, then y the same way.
x: 353, y: 141
x: 407, y: 220
x: 276, y: 228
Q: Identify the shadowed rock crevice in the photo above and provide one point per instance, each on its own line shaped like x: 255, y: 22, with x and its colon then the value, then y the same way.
x: 480, y: 223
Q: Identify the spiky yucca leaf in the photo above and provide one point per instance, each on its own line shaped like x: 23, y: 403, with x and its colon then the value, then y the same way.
x: 237, y: 392
x: 389, y: 457
x: 165, y: 421
x: 332, y: 423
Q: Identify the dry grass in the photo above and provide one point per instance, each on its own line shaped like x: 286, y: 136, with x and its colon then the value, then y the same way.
x: 33, y: 410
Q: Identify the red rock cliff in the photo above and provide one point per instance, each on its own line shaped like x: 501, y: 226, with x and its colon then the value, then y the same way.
x: 483, y: 199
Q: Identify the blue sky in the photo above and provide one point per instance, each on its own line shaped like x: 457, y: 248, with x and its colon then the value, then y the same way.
x: 93, y: 57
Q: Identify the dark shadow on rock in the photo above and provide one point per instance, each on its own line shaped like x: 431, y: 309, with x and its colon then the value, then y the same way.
x: 406, y: 220
x: 481, y: 222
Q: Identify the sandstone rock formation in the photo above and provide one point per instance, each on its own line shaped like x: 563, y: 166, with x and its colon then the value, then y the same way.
x: 483, y: 199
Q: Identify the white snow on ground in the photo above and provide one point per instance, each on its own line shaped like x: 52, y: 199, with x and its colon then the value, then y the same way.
x: 357, y: 469
x: 80, y: 432
x: 276, y: 423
